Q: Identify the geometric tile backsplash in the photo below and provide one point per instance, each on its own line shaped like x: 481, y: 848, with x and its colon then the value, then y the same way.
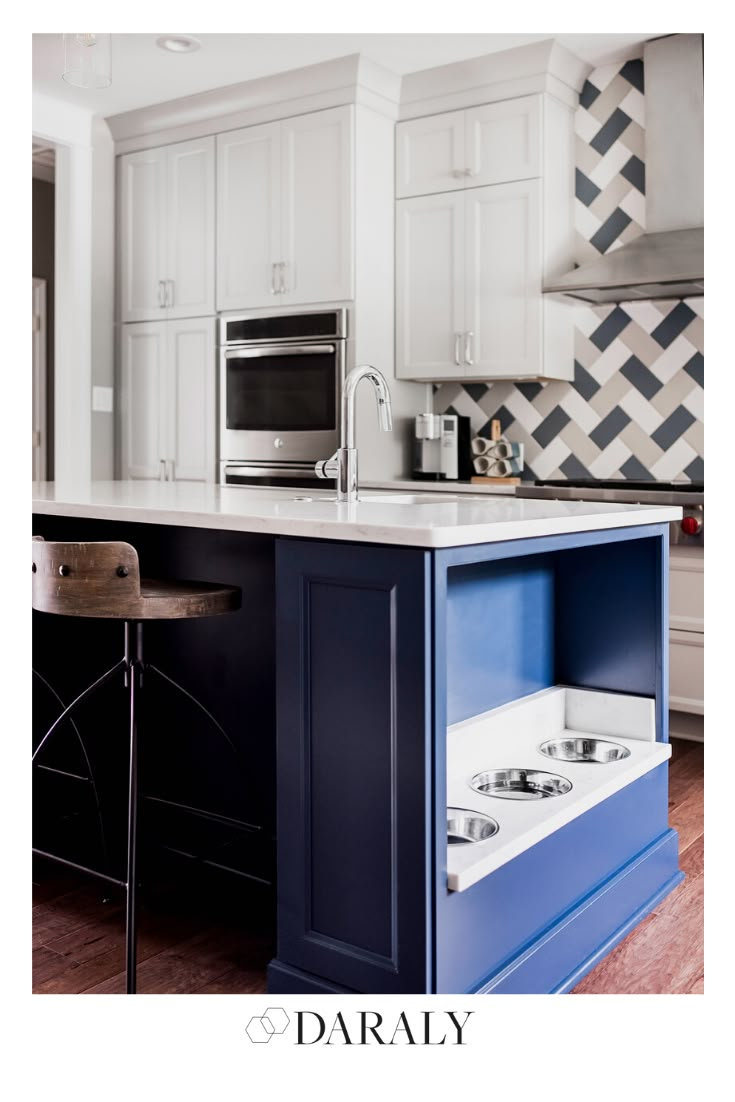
x: 635, y: 407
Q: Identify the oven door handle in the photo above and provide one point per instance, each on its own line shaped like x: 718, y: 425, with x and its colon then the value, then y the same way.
x: 279, y: 350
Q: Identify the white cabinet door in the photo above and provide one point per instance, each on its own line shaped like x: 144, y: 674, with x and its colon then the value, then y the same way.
x: 503, y: 141
x: 248, y: 216
x: 503, y: 281
x: 686, y: 671
x: 142, y: 239
x: 190, y: 250
x: 317, y: 207
x: 143, y: 385
x: 430, y: 244
x: 430, y: 155
x: 190, y: 399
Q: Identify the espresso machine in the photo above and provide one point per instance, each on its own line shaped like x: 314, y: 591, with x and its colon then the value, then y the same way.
x: 441, y: 447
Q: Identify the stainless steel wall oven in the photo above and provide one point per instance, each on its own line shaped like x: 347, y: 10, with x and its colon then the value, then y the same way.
x: 280, y: 384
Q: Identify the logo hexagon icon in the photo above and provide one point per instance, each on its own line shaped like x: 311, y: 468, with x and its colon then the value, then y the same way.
x: 278, y: 1018
x: 259, y: 1030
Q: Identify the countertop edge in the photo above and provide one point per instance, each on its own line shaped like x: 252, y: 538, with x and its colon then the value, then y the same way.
x: 427, y: 538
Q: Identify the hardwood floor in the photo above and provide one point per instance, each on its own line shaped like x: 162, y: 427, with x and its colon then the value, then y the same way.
x: 204, y: 945
x: 664, y: 955
x: 186, y: 945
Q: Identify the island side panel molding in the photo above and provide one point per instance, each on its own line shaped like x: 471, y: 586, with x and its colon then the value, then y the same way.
x: 354, y: 764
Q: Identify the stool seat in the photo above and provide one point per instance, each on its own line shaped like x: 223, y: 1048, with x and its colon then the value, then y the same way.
x: 164, y: 600
x: 103, y: 580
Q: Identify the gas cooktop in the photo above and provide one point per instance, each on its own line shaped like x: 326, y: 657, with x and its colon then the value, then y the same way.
x: 690, y: 495
x: 627, y: 484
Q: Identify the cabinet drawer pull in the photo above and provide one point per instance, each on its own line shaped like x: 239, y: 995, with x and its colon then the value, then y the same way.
x: 457, y: 339
x: 169, y: 292
x: 274, y: 289
x: 468, y: 348
x: 162, y: 293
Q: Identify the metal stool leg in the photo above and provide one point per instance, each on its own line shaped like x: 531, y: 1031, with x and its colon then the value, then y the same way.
x: 95, y: 793
x: 134, y: 669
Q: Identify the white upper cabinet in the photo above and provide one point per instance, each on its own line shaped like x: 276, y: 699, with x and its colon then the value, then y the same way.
x: 285, y: 212
x: 430, y: 154
x: 430, y: 248
x: 167, y: 232
x: 249, y: 216
x: 317, y: 207
x: 472, y: 256
x: 503, y: 279
x: 168, y: 400
x: 503, y: 141
x: 190, y: 222
x: 491, y: 144
x: 143, y: 234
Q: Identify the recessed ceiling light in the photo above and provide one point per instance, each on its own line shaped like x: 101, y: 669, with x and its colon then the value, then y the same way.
x: 178, y: 43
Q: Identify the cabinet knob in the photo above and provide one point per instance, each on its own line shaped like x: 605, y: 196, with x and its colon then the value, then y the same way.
x: 278, y: 443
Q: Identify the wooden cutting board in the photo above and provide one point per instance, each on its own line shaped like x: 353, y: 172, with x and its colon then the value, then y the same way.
x: 490, y: 481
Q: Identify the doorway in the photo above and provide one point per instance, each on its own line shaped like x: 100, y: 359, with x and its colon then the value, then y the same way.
x: 43, y: 266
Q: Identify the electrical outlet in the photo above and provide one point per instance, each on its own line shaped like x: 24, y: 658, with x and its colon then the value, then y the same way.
x: 102, y: 397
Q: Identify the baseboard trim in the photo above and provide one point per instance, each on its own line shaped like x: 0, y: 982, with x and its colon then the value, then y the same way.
x: 285, y: 979
x: 551, y: 964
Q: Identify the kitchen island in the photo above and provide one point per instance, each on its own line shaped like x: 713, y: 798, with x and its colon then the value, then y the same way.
x: 391, y: 657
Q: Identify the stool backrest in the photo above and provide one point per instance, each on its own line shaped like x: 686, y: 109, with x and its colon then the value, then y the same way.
x: 77, y: 578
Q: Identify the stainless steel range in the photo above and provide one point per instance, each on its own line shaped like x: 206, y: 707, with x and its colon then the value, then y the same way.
x: 689, y: 531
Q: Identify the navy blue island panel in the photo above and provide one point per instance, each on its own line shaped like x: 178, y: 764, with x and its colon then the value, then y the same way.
x: 379, y: 649
x: 354, y: 743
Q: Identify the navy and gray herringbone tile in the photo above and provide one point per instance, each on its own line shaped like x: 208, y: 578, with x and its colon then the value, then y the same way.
x: 634, y: 409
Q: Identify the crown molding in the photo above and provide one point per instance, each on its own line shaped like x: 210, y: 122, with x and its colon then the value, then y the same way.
x: 540, y: 67
x: 345, y: 80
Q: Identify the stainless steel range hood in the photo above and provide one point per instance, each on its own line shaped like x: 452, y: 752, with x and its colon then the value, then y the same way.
x: 667, y: 261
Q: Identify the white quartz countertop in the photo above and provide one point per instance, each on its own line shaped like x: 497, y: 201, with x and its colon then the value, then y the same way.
x: 406, y: 519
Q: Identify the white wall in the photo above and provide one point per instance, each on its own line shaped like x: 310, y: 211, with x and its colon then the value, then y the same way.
x: 84, y: 301
x: 103, y: 293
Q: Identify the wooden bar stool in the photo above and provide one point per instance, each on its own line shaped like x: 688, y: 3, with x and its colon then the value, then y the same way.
x: 103, y: 580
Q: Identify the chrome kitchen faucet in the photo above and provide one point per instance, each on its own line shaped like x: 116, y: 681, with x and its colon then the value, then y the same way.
x: 343, y: 464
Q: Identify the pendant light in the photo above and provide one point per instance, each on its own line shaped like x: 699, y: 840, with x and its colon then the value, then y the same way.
x: 87, y: 60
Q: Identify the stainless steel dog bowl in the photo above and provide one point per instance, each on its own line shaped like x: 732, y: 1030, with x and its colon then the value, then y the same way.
x: 520, y: 784
x: 584, y: 749
x: 468, y: 826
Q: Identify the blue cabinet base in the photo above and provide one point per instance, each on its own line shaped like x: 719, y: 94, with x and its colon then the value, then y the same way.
x: 379, y: 651
x: 551, y: 964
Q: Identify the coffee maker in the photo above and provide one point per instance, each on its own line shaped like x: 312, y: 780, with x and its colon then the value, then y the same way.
x: 441, y: 447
